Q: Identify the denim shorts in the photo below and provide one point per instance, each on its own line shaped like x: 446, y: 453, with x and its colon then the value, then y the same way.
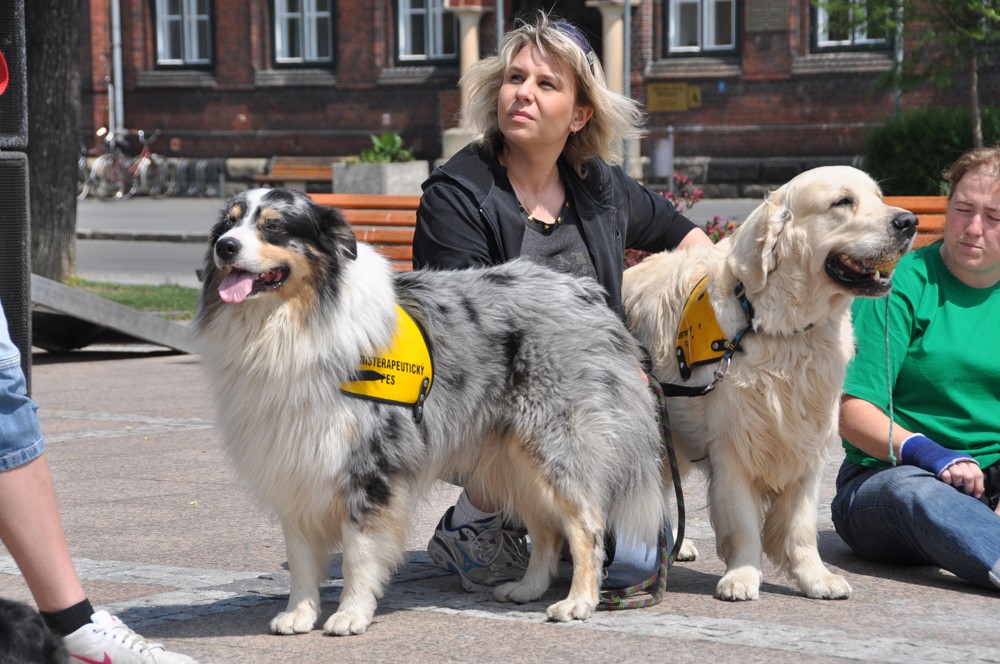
x: 20, y: 434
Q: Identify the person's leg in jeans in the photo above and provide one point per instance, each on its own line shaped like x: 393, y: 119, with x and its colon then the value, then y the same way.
x: 904, y: 515
x: 31, y: 530
x: 30, y: 526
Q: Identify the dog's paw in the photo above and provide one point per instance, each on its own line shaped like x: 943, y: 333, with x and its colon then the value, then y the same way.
x: 345, y: 623
x: 688, y: 551
x: 570, y: 609
x: 294, y: 622
x: 739, y: 585
x: 828, y: 586
x: 518, y: 591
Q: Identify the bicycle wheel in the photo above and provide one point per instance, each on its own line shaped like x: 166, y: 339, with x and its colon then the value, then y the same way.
x: 105, y: 179
x: 150, y: 178
x: 169, y: 170
x: 82, y: 180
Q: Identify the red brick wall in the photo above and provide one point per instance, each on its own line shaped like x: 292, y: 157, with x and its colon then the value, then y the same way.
x: 773, y: 99
x: 245, y: 106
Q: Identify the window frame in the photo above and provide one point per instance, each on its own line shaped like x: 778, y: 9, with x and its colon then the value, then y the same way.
x: 857, y: 41
x: 190, y: 22
x: 308, y: 19
x: 706, y: 25
x: 435, y: 14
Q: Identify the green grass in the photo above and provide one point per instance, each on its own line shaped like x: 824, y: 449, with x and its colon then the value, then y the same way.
x: 167, y: 300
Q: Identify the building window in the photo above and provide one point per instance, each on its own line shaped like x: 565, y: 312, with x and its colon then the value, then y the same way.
x: 701, y: 26
x: 303, y: 31
x: 427, y: 31
x: 856, y: 24
x: 183, y: 32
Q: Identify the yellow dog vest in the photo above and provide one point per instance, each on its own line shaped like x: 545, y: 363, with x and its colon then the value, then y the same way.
x: 400, y: 374
x: 700, y: 338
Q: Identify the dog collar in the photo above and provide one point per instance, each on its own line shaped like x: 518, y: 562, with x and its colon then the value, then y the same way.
x: 400, y: 374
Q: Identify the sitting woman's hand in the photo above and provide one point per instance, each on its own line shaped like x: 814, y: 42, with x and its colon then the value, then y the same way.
x: 951, y: 467
x: 965, y: 475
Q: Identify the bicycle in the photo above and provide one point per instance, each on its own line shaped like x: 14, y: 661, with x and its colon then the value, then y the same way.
x: 82, y: 174
x: 115, y: 175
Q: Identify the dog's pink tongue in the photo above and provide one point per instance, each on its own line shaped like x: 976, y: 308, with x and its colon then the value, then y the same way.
x: 236, y: 286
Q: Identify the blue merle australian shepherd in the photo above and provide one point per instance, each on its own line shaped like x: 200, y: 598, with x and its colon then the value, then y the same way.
x: 527, y: 385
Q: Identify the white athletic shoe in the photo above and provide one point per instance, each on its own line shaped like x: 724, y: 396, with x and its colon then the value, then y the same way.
x: 107, y: 640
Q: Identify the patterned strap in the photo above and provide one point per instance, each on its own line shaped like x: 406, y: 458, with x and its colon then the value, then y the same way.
x: 655, y: 586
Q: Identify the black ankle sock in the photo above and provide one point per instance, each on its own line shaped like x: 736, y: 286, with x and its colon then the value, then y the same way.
x: 69, y: 620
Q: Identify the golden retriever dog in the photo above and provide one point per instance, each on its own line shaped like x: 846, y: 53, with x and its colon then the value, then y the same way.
x: 771, y: 365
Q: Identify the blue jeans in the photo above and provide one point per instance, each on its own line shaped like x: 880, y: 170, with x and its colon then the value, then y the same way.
x: 20, y: 434
x: 904, y: 515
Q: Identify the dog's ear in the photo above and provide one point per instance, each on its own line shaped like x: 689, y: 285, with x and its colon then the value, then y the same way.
x: 754, y: 253
x: 340, y: 232
x: 347, y: 242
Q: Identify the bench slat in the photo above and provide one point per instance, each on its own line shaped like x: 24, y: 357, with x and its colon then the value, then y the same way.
x: 374, y: 235
x: 919, y: 204
x: 368, y: 201
x: 380, y: 217
x: 297, y: 169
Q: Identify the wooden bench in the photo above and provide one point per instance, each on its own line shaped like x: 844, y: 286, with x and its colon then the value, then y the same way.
x: 387, y: 222
x: 384, y: 221
x: 297, y: 172
x: 930, y: 213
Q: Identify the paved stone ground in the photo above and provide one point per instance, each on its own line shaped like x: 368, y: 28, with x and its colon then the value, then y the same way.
x: 164, y: 536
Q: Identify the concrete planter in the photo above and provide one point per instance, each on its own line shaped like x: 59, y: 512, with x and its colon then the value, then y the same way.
x: 402, y: 177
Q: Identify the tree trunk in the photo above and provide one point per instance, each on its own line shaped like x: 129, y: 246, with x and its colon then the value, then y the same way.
x: 977, y: 117
x: 52, y: 30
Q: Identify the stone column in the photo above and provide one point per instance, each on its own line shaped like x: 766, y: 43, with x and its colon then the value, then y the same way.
x: 613, y: 60
x: 613, y: 29
x: 453, y: 140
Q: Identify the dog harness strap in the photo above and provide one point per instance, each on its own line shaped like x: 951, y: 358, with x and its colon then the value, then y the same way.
x: 400, y: 374
x: 741, y: 296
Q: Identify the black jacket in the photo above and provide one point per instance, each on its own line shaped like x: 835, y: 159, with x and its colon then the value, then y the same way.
x: 469, y: 216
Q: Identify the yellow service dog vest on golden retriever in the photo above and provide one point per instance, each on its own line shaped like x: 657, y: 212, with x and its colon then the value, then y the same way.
x: 700, y: 338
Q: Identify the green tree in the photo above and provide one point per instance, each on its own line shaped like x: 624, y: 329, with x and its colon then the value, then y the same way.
x: 945, y: 39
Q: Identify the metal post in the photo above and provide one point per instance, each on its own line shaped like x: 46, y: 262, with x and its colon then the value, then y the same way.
x: 117, y: 98
x: 627, y: 70
x: 500, y: 22
x: 663, y: 158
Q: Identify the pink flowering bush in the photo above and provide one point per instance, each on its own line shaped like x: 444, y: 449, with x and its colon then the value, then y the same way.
x: 683, y: 198
x: 718, y: 229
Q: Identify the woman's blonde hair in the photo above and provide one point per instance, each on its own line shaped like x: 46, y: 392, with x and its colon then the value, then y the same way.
x: 973, y: 160
x: 615, y: 117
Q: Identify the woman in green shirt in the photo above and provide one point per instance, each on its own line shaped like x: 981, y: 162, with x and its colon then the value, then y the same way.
x: 920, y: 416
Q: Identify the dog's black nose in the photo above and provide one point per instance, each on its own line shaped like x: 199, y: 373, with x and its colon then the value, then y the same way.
x: 905, y: 222
x: 227, y: 247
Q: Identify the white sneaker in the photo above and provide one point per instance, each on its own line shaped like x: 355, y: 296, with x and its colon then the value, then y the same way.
x: 107, y: 640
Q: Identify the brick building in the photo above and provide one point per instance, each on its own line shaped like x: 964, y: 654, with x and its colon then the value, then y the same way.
x: 736, y: 80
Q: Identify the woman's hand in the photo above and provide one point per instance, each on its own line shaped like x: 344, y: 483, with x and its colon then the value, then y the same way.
x: 965, y: 476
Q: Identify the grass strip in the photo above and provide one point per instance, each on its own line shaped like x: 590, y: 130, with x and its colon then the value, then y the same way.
x: 169, y: 301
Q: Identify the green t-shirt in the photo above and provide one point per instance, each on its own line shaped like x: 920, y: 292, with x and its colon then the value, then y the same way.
x: 943, y: 360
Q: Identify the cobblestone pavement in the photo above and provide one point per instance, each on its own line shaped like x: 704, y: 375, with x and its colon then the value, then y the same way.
x: 165, y: 537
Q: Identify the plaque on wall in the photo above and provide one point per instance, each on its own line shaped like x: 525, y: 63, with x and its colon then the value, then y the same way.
x: 672, y: 97
x: 767, y: 16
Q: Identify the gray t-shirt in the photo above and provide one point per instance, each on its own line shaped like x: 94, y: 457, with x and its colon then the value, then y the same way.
x: 558, y: 246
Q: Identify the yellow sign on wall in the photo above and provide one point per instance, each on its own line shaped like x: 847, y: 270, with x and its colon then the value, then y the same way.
x: 672, y: 97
